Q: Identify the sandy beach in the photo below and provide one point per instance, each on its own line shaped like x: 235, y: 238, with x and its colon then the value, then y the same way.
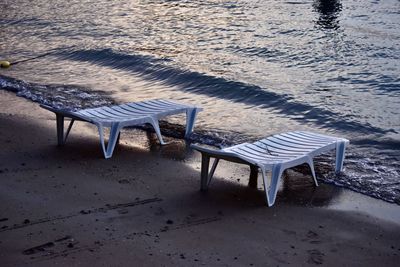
x: 68, y: 206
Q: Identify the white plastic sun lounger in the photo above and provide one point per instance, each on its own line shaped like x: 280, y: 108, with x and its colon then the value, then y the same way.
x: 120, y: 116
x: 275, y: 154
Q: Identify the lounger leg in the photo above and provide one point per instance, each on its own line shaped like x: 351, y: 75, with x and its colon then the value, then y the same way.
x: 60, y: 129
x: 205, y: 175
x: 102, y: 142
x: 253, y: 176
x: 190, y: 119
x: 311, y: 164
x: 340, y: 152
x: 272, y: 189
x: 156, y: 126
x: 205, y: 162
x: 119, y: 135
x: 68, y: 130
x: 61, y: 139
x: 112, y: 140
x: 214, y: 166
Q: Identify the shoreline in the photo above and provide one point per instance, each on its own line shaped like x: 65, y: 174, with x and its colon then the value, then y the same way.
x: 364, y: 157
x: 70, y: 206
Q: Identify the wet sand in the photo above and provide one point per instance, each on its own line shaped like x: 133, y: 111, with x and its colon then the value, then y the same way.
x: 69, y: 206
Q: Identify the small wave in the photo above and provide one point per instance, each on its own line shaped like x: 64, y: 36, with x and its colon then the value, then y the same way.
x: 68, y: 97
x: 270, y: 53
x: 26, y: 22
x: 194, y: 82
x: 296, y: 3
x: 384, y: 143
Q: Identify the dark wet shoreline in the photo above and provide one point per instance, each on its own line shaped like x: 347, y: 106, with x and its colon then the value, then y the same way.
x: 368, y: 156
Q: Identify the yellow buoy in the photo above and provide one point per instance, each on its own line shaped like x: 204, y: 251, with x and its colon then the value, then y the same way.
x: 5, y: 64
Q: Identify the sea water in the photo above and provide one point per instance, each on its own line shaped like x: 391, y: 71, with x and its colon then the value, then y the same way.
x: 256, y: 67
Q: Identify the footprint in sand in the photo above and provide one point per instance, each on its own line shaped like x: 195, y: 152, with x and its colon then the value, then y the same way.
x: 315, y: 256
x: 312, y: 237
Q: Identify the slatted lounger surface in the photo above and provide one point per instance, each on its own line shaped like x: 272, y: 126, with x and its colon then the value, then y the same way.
x: 275, y: 154
x: 120, y: 116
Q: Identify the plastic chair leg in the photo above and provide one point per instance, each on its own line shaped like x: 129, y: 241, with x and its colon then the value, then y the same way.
x: 190, y: 120
x: 118, y: 138
x: 60, y: 129
x: 214, y: 166
x: 206, y: 175
x: 253, y: 176
x: 112, y: 140
x: 205, y: 162
x: 156, y: 126
x: 69, y: 129
x: 272, y: 190
x: 61, y: 139
x: 340, y: 153
x: 311, y: 164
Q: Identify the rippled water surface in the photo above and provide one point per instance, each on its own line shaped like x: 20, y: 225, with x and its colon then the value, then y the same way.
x: 260, y: 67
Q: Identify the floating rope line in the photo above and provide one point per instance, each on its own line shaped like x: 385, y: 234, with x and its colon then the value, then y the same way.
x: 6, y: 64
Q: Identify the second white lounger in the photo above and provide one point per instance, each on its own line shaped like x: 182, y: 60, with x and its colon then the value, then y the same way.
x: 275, y: 154
x: 120, y: 116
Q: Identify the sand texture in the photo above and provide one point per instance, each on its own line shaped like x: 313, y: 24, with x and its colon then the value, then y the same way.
x: 67, y: 206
